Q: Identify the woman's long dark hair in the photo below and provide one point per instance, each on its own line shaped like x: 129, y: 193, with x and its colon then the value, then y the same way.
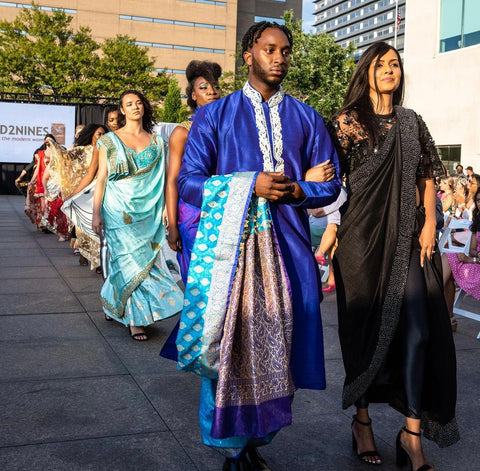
x: 358, y: 93
x: 148, y: 122
x: 86, y: 134
x: 210, y: 71
x: 475, y: 227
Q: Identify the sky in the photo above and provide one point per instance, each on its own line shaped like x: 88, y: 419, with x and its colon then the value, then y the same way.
x: 307, y: 15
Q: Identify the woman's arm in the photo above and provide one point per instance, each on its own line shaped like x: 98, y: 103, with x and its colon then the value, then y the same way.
x: 473, y: 246
x: 323, y: 172
x: 90, y: 175
x: 102, y: 174
x: 176, y: 146
x: 34, y: 176
x: 426, y: 189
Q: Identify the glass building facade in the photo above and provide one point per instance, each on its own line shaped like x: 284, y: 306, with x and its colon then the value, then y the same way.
x: 459, y: 24
x: 361, y: 22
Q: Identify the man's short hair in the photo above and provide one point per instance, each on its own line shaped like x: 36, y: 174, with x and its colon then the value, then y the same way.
x: 256, y: 30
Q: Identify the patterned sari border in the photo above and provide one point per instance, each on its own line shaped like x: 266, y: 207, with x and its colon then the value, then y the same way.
x: 398, y: 277
x: 223, y: 269
x: 211, y: 270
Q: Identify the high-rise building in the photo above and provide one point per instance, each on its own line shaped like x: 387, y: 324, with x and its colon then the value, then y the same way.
x: 176, y: 31
x: 362, y: 22
x: 442, y: 70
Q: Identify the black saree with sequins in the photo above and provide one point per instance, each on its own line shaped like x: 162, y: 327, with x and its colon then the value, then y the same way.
x: 379, y: 229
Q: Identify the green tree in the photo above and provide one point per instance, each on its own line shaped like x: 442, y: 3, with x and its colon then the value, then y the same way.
x: 319, y: 70
x: 40, y: 53
x: 173, y: 110
x: 125, y: 65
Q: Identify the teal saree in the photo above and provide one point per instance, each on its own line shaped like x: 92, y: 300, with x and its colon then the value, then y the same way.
x: 139, y: 289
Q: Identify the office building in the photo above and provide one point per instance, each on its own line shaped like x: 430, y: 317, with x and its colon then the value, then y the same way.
x: 175, y: 31
x: 361, y: 22
x: 442, y: 68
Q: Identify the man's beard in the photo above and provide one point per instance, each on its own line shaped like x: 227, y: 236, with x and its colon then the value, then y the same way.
x: 262, y: 75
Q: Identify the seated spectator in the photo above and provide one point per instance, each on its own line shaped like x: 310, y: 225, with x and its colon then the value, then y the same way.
x: 472, y: 187
x: 470, y: 172
x: 460, y: 195
x: 463, y: 269
x: 448, y: 201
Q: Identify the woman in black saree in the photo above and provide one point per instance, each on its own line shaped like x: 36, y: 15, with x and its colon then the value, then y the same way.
x: 395, y: 333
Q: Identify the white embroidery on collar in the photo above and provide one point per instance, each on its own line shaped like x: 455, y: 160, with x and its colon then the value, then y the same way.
x: 261, y: 122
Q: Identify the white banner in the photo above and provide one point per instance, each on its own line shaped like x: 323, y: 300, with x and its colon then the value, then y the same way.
x: 23, y: 127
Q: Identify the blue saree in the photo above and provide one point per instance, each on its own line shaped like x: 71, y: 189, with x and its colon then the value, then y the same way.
x: 139, y: 289
x: 236, y: 326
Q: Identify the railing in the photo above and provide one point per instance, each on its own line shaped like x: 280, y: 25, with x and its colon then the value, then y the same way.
x: 57, y: 99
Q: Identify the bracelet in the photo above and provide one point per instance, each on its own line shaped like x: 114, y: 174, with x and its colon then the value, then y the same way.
x: 474, y: 259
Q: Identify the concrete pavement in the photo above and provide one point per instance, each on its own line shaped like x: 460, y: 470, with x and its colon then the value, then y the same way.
x: 76, y: 393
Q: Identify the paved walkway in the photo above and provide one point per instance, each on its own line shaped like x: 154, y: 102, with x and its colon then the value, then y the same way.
x: 77, y: 393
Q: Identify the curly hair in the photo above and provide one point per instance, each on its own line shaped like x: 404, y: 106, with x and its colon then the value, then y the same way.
x: 148, y: 122
x: 255, y: 31
x: 210, y: 71
x: 86, y: 134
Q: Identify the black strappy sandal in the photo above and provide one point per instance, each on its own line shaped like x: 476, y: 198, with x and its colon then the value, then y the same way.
x: 403, y: 458
x: 361, y: 456
x: 138, y: 336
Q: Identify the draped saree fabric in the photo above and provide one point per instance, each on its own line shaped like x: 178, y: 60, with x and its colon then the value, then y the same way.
x: 236, y: 325
x: 375, y: 246
x: 68, y: 166
x: 79, y: 210
x: 132, y: 211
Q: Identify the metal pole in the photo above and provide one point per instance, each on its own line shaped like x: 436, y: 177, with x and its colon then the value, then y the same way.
x: 395, y: 27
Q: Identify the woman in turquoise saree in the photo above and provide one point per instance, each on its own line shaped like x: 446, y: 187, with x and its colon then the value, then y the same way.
x: 128, y: 207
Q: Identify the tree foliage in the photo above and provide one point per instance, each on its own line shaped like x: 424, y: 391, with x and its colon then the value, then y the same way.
x: 173, y: 109
x: 319, y: 70
x: 40, y: 53
x: 125, y: 65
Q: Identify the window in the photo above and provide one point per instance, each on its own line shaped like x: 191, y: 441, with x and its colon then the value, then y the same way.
x: 208, y: 2
x: 279, y: 21
x: 180, y: 47
x: 450, y: 156
x: 170, y: 22
x: 26, y: 5
x: 459, y: 24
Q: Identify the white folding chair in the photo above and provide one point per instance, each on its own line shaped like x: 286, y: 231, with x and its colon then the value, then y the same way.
x: 324, y: 271
x: 445, y: 245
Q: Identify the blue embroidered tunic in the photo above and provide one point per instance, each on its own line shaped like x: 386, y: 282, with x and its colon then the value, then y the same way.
x: 241, y: 133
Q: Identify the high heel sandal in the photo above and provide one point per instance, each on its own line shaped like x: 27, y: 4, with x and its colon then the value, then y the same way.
x: 328, y: 288
x: 365, y: 454
x: 321, y: 260
x: 403, y: 458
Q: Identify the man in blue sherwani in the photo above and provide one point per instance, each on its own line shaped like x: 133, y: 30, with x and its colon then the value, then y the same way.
x: 262, y: 129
